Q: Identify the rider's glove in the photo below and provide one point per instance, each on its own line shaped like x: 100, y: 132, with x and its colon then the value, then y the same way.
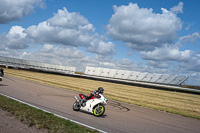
x: 94, y: 92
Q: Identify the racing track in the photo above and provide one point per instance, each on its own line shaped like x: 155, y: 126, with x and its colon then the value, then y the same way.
x: 119, y: 117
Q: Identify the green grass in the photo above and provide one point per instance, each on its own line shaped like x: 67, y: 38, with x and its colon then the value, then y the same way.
x: 174, y: 102
x: 40, y: 119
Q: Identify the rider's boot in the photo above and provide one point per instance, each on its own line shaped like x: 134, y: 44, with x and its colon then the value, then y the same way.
x: 83, y: 101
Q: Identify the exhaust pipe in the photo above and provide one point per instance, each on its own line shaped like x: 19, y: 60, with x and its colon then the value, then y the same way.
x: 76, y: 98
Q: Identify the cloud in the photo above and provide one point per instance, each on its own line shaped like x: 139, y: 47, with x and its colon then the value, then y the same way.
x: 177, y: 9
x: 174, y: 61
x: 71, y: 29
x: 10, y: 53
x: 103, y: 48
x: 159, y: 64
x: 189, y: 26
x: 66, y: 55
x: 168, y: 52
x: 189, y: 38
x: 11, y: 10
x: 58, y: 54
x: 60, y: 51
x: 71, y: 56
x: 194, y: 78
x: 15, y: 39
x: 141, y: 29
x: 68, y: 20
x: 191, y: 65
x: 63, y: 28
x: 127, y: 64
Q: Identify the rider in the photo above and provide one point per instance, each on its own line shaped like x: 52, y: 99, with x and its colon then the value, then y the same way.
x: 1, y: 72
x: 94, y: 93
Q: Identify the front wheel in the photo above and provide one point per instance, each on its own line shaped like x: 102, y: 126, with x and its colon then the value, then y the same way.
x: 99, y: 110
x: 76, y: 106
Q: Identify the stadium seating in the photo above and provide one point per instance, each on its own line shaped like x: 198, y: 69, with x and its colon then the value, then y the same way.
x: 134, y: 76
x: 97, y: 72
x: 27, y: 64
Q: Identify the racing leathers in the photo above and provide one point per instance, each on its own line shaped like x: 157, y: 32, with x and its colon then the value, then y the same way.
x: 92, y: 94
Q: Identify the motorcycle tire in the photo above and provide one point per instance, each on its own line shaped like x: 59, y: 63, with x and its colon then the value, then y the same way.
x: 98, y: 110
x: 76, y: 106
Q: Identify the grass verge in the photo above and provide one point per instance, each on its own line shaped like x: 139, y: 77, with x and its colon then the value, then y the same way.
x: 174, y: 102
x: 40, y: 119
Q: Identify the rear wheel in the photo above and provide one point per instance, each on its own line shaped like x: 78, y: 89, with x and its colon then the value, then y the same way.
x: 99, y: 110
x: 76, y: 106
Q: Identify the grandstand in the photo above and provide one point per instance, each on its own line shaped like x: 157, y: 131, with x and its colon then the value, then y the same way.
x: 33, y: 65
x: 152, y: 80
x: 135, y: 77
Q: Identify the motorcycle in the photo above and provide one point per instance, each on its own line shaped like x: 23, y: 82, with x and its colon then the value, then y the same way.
x: 94, y: 105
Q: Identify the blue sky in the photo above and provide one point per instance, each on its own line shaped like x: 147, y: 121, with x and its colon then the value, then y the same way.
x: 147, y: 36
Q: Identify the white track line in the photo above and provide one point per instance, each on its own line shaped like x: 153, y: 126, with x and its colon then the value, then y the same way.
x: 54, y: 114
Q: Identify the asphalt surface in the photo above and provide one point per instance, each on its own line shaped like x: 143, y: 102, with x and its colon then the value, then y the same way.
x: 118, y: 118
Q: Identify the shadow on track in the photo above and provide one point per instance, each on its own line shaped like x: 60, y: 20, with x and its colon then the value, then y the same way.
x: 118, y: 105
x: 3, y: 85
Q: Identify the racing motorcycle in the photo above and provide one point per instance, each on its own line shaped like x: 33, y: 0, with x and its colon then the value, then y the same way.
x: 94, y: 105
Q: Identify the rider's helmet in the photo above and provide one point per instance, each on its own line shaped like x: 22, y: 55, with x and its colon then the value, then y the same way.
x: 100, y: 90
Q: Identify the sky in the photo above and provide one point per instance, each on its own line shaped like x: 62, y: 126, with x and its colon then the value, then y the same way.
x: 154, y: 36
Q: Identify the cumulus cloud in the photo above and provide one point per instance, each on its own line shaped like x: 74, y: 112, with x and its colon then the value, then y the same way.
x: 63, y: 28
x: 71, y: 29
x: 167, y: 52
x: 10, y: 53
x: 70, y: 20
x: 141, y: 29
x: 15, y: 39
x: 172, y: 60
x: 178, y: 8
x: 60, y: 51
x: 58, y: 54
x: 68, y: 56
x: 191, y: 65
x: 102, y: 58
x: 103, y: 48
x: 12, y: 10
